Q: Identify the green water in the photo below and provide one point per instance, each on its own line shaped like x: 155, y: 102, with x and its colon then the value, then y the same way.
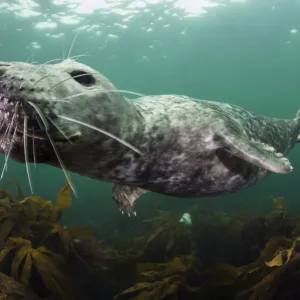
x: 241, y: 52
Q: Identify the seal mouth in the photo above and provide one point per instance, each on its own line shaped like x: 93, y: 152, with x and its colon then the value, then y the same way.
x: 58, y: 139
x: 63, y: 141
x: 28, y: 119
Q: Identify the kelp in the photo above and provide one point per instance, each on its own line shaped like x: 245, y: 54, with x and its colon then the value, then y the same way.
x: 12, y: 221
x: 225, y: 281
x: 220, y: 256
x: 35, y: 247
x: 50, y: 266
x: 103, y: 270
x: 18, y: 215
x: 12, y: 290
x: 280, y: 204
x: 164, y: 280
x: 36, y: 209
x: 244, y: 282
x: 282, y: 279
x: 283, y: 256
x: 252, y: 251
x: 168, y: 238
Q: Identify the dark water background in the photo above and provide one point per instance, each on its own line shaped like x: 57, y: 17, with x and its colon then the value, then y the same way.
x: 244, y: 53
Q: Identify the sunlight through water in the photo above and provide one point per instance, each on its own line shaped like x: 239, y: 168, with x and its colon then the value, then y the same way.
x: 109, y: 20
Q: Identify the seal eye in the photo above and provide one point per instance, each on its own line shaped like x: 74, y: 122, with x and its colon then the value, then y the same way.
x: 83, y: 78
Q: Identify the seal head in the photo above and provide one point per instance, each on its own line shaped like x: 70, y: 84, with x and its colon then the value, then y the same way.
x: 36, y: 102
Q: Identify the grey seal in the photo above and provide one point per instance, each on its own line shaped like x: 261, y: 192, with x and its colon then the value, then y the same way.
x: 70, y: 116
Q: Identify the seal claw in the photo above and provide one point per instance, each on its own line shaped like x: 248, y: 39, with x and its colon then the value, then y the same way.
x: 126, y: 196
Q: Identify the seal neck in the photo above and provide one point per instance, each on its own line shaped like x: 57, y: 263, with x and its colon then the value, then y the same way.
x: 120, y: 117
x: 131, y: 121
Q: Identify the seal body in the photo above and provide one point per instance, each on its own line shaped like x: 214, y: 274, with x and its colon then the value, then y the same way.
x: 187, y: 147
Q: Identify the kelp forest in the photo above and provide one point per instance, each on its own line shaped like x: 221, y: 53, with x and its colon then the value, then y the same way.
x: 237, y: 256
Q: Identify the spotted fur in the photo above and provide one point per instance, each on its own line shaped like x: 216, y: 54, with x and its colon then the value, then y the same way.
x: 191, y: 148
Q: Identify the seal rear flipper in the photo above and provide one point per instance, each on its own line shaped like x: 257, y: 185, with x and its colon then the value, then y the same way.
x: 256, y: 153
x: 126, y: 196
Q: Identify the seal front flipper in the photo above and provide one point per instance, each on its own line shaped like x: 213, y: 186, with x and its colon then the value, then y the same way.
x: 126, y: 196
x: 256, y: 153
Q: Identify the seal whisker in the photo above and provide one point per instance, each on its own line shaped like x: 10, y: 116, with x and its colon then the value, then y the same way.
x: 62, y: 166
x: 75, y: 57
x: 7, y: 130
x: 63, y: 101
x: 44, y: 77
x: 72, y: 44
x: 33, y: 149
x: 41, y: 115
x: 104, y: 132
x: 40, y: 67
x: 9, y: 127
x: 7, y: 133
x: 62, y: 49
x: 126, y: 92
x: 24, y: 69
x: 77, y: 76
x: 12, y: 138
x: 60, y: 130
x: 25, y: 142
x: 2, y: 123
x: 61, y: 163
x: 74, y: 40
x: 58, y: 100
x: 105, y: 91
x: 8, y: 152
x: 44, y: 64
